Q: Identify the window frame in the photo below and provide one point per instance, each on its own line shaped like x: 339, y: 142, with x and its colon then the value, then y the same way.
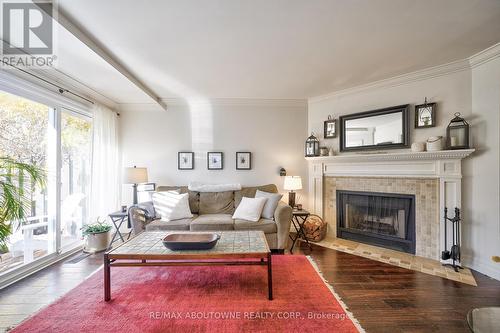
x: 23, y: 88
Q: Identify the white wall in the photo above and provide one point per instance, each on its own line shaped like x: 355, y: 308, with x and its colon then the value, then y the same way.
x: 481, y: 183
x: 475, y: 93
x: 452, y: 93
x: 274, y: 131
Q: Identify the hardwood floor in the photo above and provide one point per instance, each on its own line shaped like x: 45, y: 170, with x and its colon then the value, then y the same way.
x: 384, y: 298
x: 23, y: 298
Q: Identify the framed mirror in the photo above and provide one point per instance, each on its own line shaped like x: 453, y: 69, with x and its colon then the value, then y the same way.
x: 378, y: 129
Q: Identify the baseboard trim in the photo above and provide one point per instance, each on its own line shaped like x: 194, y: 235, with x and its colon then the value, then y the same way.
x: 490, y: 269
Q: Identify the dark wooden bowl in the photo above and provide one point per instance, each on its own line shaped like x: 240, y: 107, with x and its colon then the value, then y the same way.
x: 193, y: 241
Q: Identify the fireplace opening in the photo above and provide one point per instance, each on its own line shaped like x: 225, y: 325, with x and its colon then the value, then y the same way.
x: 382, y: 219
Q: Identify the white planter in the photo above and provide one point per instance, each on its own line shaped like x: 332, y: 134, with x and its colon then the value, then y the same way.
x: 97, y: 242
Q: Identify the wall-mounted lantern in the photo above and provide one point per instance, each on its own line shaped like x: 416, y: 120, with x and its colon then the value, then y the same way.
x: 457, y: 133
x: 312, y: 146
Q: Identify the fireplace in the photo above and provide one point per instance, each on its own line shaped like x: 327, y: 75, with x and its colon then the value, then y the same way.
x: 381, y: 219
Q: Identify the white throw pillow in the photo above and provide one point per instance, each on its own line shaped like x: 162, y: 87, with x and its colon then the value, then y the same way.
x: 200, y: 187
x: 250, y: 209
x: 271, y: 203
x: 171, y: 205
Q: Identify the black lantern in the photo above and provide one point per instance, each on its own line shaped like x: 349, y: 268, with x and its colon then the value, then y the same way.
x: 457, y: 133
x: 312, y: 146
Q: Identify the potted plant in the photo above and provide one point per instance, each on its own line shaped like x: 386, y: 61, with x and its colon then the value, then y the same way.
x: 96, y: 236
x: 17, y: 181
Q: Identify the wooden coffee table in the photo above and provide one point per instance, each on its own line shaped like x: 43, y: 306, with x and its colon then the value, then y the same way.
x: 147, y: 249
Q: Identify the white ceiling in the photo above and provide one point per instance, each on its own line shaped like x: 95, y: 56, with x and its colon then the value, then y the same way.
x: 270, y: 49
x: 77, y: 61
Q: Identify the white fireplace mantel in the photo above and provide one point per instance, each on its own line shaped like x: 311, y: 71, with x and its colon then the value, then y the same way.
x: 397, y: 156
x: 445, y: 165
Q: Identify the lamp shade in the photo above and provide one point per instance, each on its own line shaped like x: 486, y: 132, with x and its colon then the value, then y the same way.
x: 292, y: 183
x: 135, y: 175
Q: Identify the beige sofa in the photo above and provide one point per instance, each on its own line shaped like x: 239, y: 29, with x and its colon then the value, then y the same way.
x: 212, y: 211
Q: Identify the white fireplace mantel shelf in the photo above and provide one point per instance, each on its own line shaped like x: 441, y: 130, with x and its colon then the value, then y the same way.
x: 397, y: 156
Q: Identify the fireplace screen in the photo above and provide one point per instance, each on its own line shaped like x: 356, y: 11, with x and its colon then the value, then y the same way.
x: 382, y: 219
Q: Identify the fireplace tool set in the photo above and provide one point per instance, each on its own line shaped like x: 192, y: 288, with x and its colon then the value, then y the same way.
x: 454, y: 252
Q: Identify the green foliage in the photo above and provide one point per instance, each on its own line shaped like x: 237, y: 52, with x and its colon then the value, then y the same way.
x: 23, y: 129
x: 95, y: 228
x: 4, y: 248
x: 17, y: 180
x: 74, y: 136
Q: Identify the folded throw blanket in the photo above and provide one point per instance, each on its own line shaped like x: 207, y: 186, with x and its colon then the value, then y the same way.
x: 200, y: 187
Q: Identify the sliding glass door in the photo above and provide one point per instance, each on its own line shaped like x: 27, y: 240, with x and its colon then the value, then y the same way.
x: 76, y: 148
x: 59, y: 141
x: 28, y: 134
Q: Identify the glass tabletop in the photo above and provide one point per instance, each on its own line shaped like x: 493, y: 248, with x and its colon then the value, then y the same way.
x: 484, y: 320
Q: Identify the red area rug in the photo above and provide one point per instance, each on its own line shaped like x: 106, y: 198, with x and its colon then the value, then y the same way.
x: 199, y: 299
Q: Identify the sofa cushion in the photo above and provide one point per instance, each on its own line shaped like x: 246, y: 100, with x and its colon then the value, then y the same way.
x: 216, y: 203
x: 271, y: 203
x: 266, y: 225
x: 194, y: 197
x: 212, y: 222
x: 162, y: 225
x: 250, y: 209
x: 249, y: 192
x: 171, y: 205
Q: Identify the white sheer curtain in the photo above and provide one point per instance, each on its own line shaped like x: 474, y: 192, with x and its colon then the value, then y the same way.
x: 105, y: 189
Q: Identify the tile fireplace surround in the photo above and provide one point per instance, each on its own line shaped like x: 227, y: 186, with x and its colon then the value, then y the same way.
x: 433, y: 177
x: 426, y: 193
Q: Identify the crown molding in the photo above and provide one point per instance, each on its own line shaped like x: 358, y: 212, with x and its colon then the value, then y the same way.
x: 485, y: 56
x: 238, y: 102
x: 258, y: 102
x: 140, y: 107
x: 220, y: 102
x: 475, y: 60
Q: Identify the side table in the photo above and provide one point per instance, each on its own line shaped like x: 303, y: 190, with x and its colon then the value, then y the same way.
x: 118, y: 218
x: 298, y: 219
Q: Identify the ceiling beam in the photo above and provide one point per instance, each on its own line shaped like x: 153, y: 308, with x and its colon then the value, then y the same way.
x: 85, y: 37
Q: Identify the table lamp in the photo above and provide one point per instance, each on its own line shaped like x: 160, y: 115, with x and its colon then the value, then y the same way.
x: 135, y: 176
x: 292, y: 183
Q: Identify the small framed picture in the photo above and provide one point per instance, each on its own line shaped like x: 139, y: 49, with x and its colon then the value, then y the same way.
x: 215, y: 160
x: 243, y: 160
x: 425, y: 115
x: 330, y: 128
x: 185, y: 160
